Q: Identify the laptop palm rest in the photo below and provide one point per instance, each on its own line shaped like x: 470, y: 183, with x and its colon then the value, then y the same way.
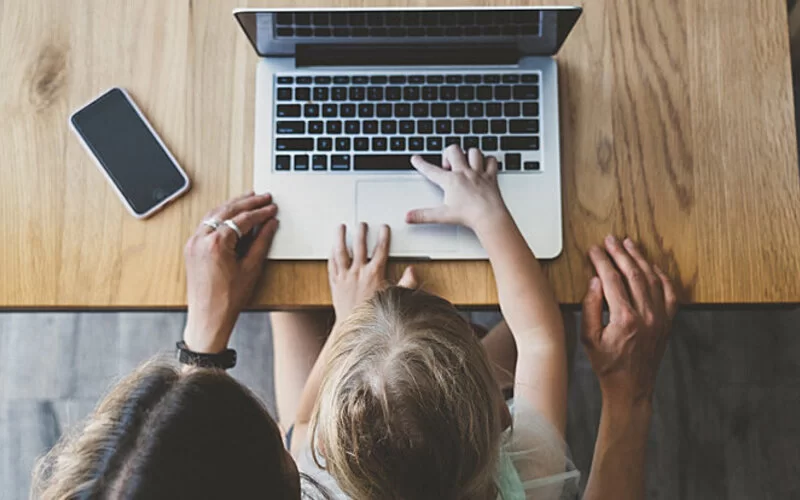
x: 387, y: 202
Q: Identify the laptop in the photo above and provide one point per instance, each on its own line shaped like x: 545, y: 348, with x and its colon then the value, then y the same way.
x: 344, y: 98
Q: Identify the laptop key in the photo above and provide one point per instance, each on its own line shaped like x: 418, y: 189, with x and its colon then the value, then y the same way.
x: 528, y: 109
x: 449, y: 141
x: 352, y: 127
x: 425, y: 127
x: 370, y: 126
x: 435, y: 79
x: 526, y: 92
x: 531, y: 165
x: 457, y: 110
x: 311, y: 110
x: 402, y: 110
x: 378, y: 79
x: 347, y: 110
x: 411, y: 93
x: 499, y: 126
x: 283, y: 162
x: 416, y: 143
x: 284, y: 93
x: 461, y: 126
x: 502, y: 92
x: 510, y: 78
x: 361, y: 144
x: 339, y: 93
x: 443, y: 126
x: 524, y: 126
x: 282, y: 144
x: 472, y: 78
x: 480, y: 126
x: 420, y: 110
x: 315, y: 127
x: 484, y: 93
x: 407, y: 127
x: 357, y: 93
x: 288, y: 110
x: 447, y: 93
x: 319, y: 162
x: 379, y: 143
x: 333, y: 127
x: 489, y: 143
x: 430, y: 93
x: 324, y: 143
x: 329, y: 110
x: 438, y: 110
x: 470, y: 142
x: 397, y: 143
x: 397, y: 79
x: 434, y: 143
x: 342, y: 144
x: 321, y: 93
x: 394, y: 93
x: 340, y: 162
x: 383, y: 110
x: 388, y: 127
x: 303, y: 80
x: 511, y: 109
x: 285, y: 79
x: 341, y: 79
x: 291, y: 127
x: 416, y: 79
x: 302, y: 94
x: 494, y: 109
x: 519, y: 143
x: 454, y: 78
x: 301, y: 162
x: 466, y: 93
x: 530, y: 78
x: 512, y: 161
x: 389, y: 162
x: 375, y: 93
x: 366, y: 110
x: 491, y: 78
x: 475, y: 109
x: 322, y: 80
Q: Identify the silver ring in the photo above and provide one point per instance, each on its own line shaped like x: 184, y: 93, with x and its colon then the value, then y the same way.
x: 233, y: 226
x: 212, y: 223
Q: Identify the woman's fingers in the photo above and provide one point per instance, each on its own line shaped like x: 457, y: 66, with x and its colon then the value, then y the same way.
x: 455, y: 157
x: 340, y: 252
x: 475, y: 159
x: 653, y: 281
x: 592, y: 314
x: 611, y: 281
x: 670, y: 297
x: 381, y: 253
x: 637, y: 283
x: 360, y: 245
x: 261, y: 244
x: 243, y: 204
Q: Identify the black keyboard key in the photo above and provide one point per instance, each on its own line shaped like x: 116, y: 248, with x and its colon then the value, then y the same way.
x: 489, y: 143
x: 393, y: 93
x: 438, y: 110
x: 324, y: 144
x: 315, y: 127
x: 472, y: 78
x: 360, y: 79
x: 425, y: 127
x: 370, y: 126
x: 416, y: 144
x: 341, y: 79
x: 499, y: 126
x: 378, y: 79
x: 340, y: 162
x: 480, y: 126
x: 341, y: 32
x: 291, y: 127
x: 430, y: 93
x: 361, y: 144
x: 390, y: 162
x: 302, y: 94
x: 311, y: 110
x: 416, y: 79
x: 285, y: 32
x: 339, y: 18
x: 303, y: 80
x: 449, y: 141
x: 397, y: 143
x: 323, y: 32
x: 294, y: 144
x: 397, y: 79
x: 470, y: 142
x: 289, y: 111
x: 512, y: 161
x: 383, y: 110
x: 366, y: 110
x: 321, y: 93
x: 319, y: 162
x: 447, y: 93
x: 407, y: 127
x: 333, y: 127
x: 466, y: 93
x: 330, y: 110
x: 301, y: 162
x: 302, y: 18
x: 454, y: 78
x: 397, y: 33
x: 457, y: 110
x: 357, y: 93
x: 347, y: 110
x: 283, y: 162
x: 494, y: 109
x: 375, y: 93
x: 411, y: 93
x: 402, y: 110
x: 435, y: 79
x: 461, y: 126
x: 502, y: 92
x: 339, y: 93
x: 284, y: 93
x: 531, y: 165
x: 342, y: 144
x: 510, y: 78
x: 491, y: 78
x: 530, y: 78
x: 511, y: 109
x: 529, y: 109
x: 484, y: 93
x: 285, y: 79
x: 379, y: 143
x: 420, y: 110
x: 443, y: 126
x: 434, y: 143
x: 526, y: 92
x: 388, y: 127
x: 475, y: 109
x: 519, y: 143
x: 352, y: 127
x: 524, y: 126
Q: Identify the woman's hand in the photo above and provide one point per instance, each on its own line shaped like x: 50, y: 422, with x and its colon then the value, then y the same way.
x: 626, y: 353
x: 354, y: 280
x: 220, y: 282
x: 471, y: 195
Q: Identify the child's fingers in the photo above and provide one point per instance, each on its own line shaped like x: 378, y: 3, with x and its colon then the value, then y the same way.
x: 360, y: 245
x: 435, y: 215
x: 475, y: 159
x: 592, y: 316
x: 456, y: 158
x: 408, y: 279
x: 381, y: 253
x: 429, y: 171
x: 340, y: 252
x: 491, y: 165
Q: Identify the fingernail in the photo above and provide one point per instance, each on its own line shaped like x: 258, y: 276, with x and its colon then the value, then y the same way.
x: 594, y: 283
x: 610, y: 239
x: 628, y: 242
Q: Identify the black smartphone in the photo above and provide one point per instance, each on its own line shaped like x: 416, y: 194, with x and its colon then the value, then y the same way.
x: 128, y: 151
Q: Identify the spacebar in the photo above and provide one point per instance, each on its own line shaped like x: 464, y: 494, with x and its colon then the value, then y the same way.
x: 390, y: 162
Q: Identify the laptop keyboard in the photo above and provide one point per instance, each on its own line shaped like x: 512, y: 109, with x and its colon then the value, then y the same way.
x: 343, y: 123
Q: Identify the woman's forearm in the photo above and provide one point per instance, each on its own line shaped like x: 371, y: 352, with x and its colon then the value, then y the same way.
x: 311, y: 390
x: 619, y: 455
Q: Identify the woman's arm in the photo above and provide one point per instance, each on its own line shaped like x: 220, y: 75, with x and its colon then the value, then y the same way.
x: 472, y: 199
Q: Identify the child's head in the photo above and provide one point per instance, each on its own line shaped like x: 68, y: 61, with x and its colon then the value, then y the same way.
x: 408, y: 407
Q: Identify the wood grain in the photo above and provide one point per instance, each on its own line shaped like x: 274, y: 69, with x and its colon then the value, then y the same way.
x: 676, y: 121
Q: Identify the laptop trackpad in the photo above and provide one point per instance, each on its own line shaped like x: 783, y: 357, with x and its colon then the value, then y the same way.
x: 387, y: 202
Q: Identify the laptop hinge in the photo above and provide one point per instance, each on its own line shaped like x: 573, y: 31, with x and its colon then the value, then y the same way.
x: 403, y: 55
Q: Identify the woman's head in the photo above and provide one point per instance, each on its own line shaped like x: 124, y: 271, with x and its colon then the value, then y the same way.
x: 408, y: 407
x: 163, y: 433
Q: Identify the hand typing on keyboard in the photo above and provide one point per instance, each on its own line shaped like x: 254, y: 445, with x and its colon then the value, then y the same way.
x: 471, y: 194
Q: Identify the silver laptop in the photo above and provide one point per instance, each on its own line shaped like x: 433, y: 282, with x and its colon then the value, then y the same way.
x: 345, y: 97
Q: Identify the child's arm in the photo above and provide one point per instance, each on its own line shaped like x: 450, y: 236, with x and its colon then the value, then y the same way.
x: 472, y: 199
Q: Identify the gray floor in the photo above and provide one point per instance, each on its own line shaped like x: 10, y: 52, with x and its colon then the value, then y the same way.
x: 727, y: 420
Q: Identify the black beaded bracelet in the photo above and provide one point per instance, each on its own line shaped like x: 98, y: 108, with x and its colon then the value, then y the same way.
x: 222, y: 360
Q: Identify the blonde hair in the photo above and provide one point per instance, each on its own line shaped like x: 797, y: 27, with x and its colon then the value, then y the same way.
x: 408, y: 407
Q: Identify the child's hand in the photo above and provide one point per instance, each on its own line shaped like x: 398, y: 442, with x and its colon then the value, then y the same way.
x: 355, y: 280
x: 471, y: 195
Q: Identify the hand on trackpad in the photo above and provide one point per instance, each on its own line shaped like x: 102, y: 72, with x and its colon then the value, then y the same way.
x: 387, y: 202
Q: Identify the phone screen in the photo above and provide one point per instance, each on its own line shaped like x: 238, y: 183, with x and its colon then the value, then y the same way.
x: 128, y: 151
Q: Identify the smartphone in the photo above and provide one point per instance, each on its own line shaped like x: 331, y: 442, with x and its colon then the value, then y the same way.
x: 129, y: 152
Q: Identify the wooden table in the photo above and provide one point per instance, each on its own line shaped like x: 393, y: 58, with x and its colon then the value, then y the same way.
x: 677, y: 129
